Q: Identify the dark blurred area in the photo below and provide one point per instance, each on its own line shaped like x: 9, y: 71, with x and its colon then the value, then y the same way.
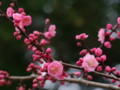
x: 71, y: 17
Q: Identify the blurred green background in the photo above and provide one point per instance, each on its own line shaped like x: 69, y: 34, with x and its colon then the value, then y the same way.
x: 71, y: 17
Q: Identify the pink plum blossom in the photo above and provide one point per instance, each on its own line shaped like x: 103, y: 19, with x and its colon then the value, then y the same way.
x: 26, y: 21
x: 17, y: 16
x: 51, y: 32
x: 89, y: 62
x: 101, y: 35
x: 55, y: 69
x: 10, y: 11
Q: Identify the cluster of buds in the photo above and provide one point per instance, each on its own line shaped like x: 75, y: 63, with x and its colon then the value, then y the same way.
x: 93, y: 59
x: 35, y: 68
x: 33, y: 38
x: 4, y: 78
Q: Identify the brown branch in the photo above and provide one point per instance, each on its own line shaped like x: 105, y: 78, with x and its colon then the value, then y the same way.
x: 95, y: 72
x: 92, y: 83
x: 72, y: 80
x: 113, y: 30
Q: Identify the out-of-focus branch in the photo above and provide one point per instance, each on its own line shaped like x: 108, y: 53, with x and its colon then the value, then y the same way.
x: 72, y: 80
x: 92, y: 83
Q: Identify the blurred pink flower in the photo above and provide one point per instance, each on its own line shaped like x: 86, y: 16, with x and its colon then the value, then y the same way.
x: 51, y: 32
x: 55, y: 69
x: 101, y: 35
x: 26, y: 21
x: 10, y: 11
x: 17, y: 16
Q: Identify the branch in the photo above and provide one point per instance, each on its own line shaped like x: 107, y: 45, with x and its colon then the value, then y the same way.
x: 92, y: 83
x: 97, y: 73
x: 72, y: 80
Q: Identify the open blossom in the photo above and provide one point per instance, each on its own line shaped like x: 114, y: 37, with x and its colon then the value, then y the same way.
x: 10, y: 11
x: 55, y: 69
x: 17, y: 16
x: 89, y: 63
x: 101, y: 35
x: 26, y: 21
x: 51, y: 32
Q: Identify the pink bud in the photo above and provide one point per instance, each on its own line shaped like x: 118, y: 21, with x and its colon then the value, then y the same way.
x: 111, y: 38
x: 49, y: 50
x: 83, y: 52
x: 89, y: 77
x: 107, y: 69
x: 62, y: 82
x: 118, y: 20
x: 20, y: 10
x: 18, y: 37
x: 98, y: 59
x: 8, y: 83
x: 36, y: 33
x: 103, y: 58
x: 21, y: 88
x: 16, y: 34
x: 2, y: 82
x: 29, y: 69
x: 93, y: 50
x: 12, y: 4
x: 113, y: 68
x: 78, y: 63
x: 40, y: 78
x: 37, y: 52
x: 108, y: 33
x: 99, y: 68
x: 77, y: 73
x: 2, y: 76
x: 98, y: 52
x: 42, y: 84
x: 81, y: 60
x: 117, y: 72
x: 79, y: 44
x: 119, y: 85
x: 35, y: 85
x: 109, y: 26
x: 46, y: 65
x: 113, y: 80
x: 0, y: 3
x: 107, y: 44
x: 47, y: 20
